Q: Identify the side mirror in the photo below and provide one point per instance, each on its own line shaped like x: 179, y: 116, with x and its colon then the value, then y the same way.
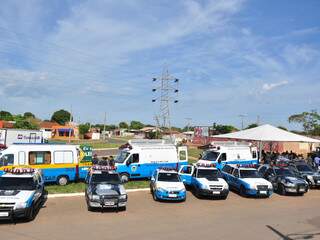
x: 200, y: 156
x: 152, y: 179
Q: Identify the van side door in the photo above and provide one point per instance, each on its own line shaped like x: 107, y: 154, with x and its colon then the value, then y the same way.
x: 135, y: 168
x: 185, y: 174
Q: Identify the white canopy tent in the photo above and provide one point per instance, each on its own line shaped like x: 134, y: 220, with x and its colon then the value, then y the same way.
x: 267, y: 133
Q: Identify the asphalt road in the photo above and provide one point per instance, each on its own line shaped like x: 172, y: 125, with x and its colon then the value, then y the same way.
x: 279, y: 217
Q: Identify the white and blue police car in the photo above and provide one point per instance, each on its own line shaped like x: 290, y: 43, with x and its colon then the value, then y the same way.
x: 205, y: 180
x: 247, y: 181
x: 166, y: 185
x: 21, y: 193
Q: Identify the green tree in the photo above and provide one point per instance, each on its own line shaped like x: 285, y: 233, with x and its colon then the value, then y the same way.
x: 221, y: 129
x: 24, y: 124
x: 29, y: 115
x: 61, y: 116
x: 136, y: 125
x: 6, y: 116
x: 252, y: 125
x: 310, y: 120
x: 123, y: 125
x: 84, y: 128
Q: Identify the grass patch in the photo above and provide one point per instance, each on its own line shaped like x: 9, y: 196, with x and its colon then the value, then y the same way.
x: 80, y: 187
x: 96, y: 144
x: 194, y: 154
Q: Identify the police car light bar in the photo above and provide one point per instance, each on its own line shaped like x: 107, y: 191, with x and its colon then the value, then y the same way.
x: 103, y: 168
x: 247, y: 165
x: 167, y: 169
x: 206, y: 165
x: 19, y: 170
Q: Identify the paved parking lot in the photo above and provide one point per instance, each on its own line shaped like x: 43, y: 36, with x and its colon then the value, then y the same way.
x: 234, y: 218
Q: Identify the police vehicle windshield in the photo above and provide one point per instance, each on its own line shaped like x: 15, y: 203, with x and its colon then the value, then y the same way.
x: 284, y: 172
x: 304, y: 168
x: 17, y: 183
x: 210, y: 174
x: 249, y: 173
x: 168, y: 177
x: 122, y: 155
x: 210, y: 155
x: 110, y: 178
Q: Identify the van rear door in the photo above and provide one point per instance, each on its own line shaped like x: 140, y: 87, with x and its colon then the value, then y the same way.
x: 182, y: 155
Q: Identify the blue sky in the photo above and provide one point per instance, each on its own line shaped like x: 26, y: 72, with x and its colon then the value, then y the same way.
x: 232, y: 57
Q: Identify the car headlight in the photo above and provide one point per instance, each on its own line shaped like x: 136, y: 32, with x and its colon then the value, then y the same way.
x: 123, y: 197
x: 93, y: 197
x: 161, y: 189
x: 20, y: 205
x: 202, y: 186
x: 287, y: 183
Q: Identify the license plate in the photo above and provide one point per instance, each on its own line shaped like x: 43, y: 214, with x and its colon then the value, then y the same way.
x: 301, y: 189
x: 4, y: 214
x: 109, y: 203
x: 263, y: 192
x: 172, y: 195
x: 215, y: 192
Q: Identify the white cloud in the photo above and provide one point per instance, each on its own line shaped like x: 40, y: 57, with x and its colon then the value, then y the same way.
x: 271, y: 86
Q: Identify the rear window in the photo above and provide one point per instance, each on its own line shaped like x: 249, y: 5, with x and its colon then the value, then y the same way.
x: 106, y: 178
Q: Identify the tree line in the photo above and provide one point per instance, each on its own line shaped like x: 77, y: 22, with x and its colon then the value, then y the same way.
x: 309, y: 121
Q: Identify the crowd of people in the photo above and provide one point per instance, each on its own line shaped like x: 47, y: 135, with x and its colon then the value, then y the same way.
x: 104, y: 161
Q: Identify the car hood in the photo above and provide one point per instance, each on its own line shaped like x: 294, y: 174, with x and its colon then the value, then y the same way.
x: 170, y: 186
x: 219, y: 181
x: 106, y: 189
x: 257, y: 181
x: 15, y: 196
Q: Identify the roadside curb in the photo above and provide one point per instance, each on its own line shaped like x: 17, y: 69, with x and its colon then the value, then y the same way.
x: 103, y: 149
x: 62, y: 195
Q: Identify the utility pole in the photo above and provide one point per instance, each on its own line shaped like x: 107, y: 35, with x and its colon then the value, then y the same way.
x: 167, y: 85
x: 104, y: 125
x: 258, y: 120
x: 69, y: 137
x: 242, y: 116
x: 188, y: 122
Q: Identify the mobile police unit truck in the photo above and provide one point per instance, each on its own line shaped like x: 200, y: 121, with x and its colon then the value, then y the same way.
x: 59, y: 163
x: 140, y: 158
x: 21, y: 192
x: 11, y: 136
x: 230, y: 153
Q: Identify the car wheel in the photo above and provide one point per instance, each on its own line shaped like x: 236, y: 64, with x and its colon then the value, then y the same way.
x: 62, y: 180
x: 89, y: 207
x: 243, y: 191
x: 155, y: 196
x: 124, y: 177
x: 282, y: 190
x: 151, y: 191
x: 31, y: 213
x: 123, y: 208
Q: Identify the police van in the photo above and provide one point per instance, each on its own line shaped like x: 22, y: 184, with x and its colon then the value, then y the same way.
x: 59, y: 163
x: 21, y: 192
x: 230, y: 153
x: 140, y: 158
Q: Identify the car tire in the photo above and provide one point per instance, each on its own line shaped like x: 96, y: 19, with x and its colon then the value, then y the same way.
x: 62, y: 180
x: 123, y: 208
x: 89, y: 208
x: 224, y: 197
x: 243, y: 191
x: 154, y: 195
x: 151, y: 191
x: 124, y: 177
x: 31, y: 214
x: 282, y: 190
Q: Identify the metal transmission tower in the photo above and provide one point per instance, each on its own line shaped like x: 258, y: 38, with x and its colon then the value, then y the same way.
x: 166, y: 92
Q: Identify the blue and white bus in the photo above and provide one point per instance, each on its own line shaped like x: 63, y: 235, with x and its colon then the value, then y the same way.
x: 140, y: 158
